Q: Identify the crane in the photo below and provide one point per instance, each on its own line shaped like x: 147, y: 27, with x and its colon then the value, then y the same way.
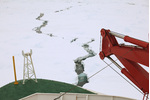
x: 131, y: 57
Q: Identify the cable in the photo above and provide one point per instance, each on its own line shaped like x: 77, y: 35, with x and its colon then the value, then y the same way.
x: 100, y: 47
x: 88, y: 78
x: 99, y: 71
x: 91, y: 77
x: 123, y: 77
x: 65, y: 92
x: 96, y: 74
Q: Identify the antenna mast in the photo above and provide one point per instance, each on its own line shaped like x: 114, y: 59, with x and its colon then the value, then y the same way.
x: 28, y: 70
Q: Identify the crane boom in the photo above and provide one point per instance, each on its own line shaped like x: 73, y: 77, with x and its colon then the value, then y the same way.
x: 130, y: 56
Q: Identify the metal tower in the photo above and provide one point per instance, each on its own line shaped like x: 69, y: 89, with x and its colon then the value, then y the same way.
x: 28, y: 70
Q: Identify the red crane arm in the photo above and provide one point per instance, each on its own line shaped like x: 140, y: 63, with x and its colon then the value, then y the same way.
x: 129, y: 56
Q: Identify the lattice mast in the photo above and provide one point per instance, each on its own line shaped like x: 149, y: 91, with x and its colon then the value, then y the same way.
x: 28, y: 70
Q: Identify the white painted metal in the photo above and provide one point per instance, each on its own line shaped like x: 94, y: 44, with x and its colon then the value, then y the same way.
x: 115, y: 63
x: 87, y: 97
x: 28, y: 69
x: 72, y: 96
x: 117, y: 34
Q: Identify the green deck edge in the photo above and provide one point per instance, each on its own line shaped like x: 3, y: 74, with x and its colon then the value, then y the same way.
x: 15, y: 92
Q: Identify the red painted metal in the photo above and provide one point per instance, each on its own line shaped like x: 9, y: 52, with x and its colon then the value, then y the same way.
x: 135, y: 41
x: 130, y: 57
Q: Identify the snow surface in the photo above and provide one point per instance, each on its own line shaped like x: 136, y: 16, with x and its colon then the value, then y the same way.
x: 53, y: 57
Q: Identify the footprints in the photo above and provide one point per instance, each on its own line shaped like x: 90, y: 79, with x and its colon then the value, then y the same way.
x: 131, y: 3
x: 79, y: 65
x: 45, y: 22
x: 63, y: 9
x: 73, y: 40
x: 41, y: 15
